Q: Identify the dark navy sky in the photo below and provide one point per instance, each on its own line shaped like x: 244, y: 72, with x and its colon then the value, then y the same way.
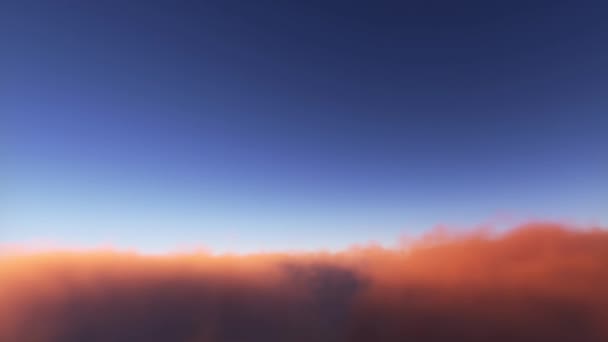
x: 249, y: 125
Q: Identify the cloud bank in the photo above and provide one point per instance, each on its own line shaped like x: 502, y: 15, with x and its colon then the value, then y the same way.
x: 537, y: 282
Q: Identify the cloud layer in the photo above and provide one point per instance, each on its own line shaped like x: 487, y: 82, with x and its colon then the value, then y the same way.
x: 537, y: 282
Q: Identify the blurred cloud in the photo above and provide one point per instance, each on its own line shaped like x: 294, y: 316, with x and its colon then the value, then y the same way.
x: 534, y: 282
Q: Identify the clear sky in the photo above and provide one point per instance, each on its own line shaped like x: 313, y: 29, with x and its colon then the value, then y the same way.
x: 263, y: 125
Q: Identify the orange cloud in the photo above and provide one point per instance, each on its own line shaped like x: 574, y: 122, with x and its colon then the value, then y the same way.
x: 537, y: 282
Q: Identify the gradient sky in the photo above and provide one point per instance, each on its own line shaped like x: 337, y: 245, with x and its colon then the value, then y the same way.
x: 259, y: 125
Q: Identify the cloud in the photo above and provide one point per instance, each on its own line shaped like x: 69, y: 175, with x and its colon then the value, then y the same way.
x: 537, y: 282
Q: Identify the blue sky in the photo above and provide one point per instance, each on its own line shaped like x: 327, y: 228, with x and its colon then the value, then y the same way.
x: 245, y: 126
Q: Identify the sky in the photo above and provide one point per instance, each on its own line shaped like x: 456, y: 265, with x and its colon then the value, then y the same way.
x: 258, y: 125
